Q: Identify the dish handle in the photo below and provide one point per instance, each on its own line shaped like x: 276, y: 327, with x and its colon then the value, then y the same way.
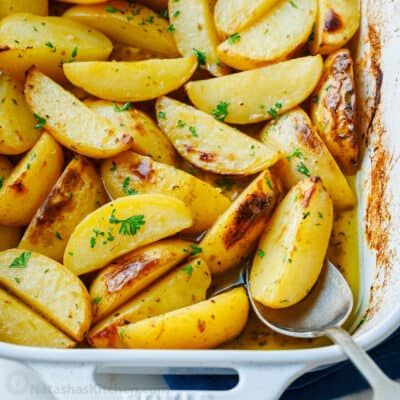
x: 77, y: 382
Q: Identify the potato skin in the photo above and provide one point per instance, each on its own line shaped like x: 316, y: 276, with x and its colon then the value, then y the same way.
x: 145, y: 176
x: 17, y: 132
x: 204, y: 325
x: 20, y: 325
x: 30, y: 182
x: 293, y: 247
x: 133, y: 272
x: 77, y: 193
x: 50, y: 289
x: 182, y: 287
x: 333, y: 110
x: 233, y: 237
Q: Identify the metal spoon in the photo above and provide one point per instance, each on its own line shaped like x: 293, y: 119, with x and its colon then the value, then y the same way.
x: 322, y: 313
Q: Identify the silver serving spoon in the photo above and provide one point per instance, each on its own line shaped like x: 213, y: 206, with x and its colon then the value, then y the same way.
x: 322, y: 313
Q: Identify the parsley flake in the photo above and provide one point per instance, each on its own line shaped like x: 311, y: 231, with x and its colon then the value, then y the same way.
x: 201, y: 57
x: 303, y: 169
x: 171, y: 28
x: 193, y: 131
x: 261, y: 253
x: 188, y: 269
x: 126, y: 188
x: 127, y: 106
x: 21, y: 261
x: 220, y: 112
x: 41, y: 122
x: 97, y: 300
x: 129, y: 226
x: 234, y: 38
x: 162, y: 115
x: 58, y: 235
x: 195, y: 249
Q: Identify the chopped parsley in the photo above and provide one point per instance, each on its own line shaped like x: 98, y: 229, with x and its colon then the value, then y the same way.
x: 110, y: 9
x: 74, y: 52
x: 18, y: 280
x: 97, y: 300
x: 220, y: 112
x: 127, y: 106
x: 162, y: 115
x: 180, y: 124
x: 21, y: 261
x: 293, y: 4
x: 188, y: 269
x: 41, y: 122
x: 320, y: 215
x: 296, y: 154
x: 163, y: 14
x: 129, y: 226
x: 303, y: 169
x: 171, y: 28
x: 1, y: 181
x: 269, y: 183
x: 193, y: 131
x: 274, y: 111
x: 126, y: 187
x: 93, y: 239
x: 234, y: 38
x: 195, y: 250
x: 51, y: 46
x: 201, y: 57
x: 306, y: 214
x: 261, y: 253
x: 176, y: 13
x: 113, y: 166
x: 58, y: 235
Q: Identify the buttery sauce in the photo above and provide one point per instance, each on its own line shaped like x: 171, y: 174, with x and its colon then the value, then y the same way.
x: 343, y: 252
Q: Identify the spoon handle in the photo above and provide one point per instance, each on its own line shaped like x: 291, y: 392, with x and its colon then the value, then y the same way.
x: 384, y: 388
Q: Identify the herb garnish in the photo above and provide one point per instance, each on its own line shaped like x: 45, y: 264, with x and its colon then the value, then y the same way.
x: 129, y: 226
x: 201, y: 57
x: 303, y: 169
x: 21, y: 261
x: 188, y: 269
x: 220, y: 112
x: 126, y: 188
x: 41, y: 122
x: 127, y: 106
x: 233, y: 38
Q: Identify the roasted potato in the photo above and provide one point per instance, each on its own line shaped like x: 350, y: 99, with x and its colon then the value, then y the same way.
x: 30, y: 182
x: 293, y: 247
x: 185, y: 286
x: 232, y: 16
x: 273, y: 37
x: 128, y: 23
x: 148, y: 139
x: 333, y: 110
x: 122, y: 226
x: 306, y: 155
x: 133, y: 272
x: 277, y: 88
x: 76, y: 127
x: 233, y: 237
x: 130, y: 173
x: 49, y: 288
x: 8, y: 7
x: 17, y: 124
x: 20, y: 325
x: 77, y: 193
x: 337, y: 22
x: 143, y: 80
x: 200, y: 326
x: 193, y: 133
x: 122, y: 52
x: 195, y: 32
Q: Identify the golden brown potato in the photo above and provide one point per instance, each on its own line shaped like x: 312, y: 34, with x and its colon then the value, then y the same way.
x: 128, y: 23
x: 204, y: 325
x: 184, y: 286
x: 193, y: 133
x: 76, y: 127
x: 306, y: 155
x: 292, y: 249
x: 273, y: 37
x: 333, y: 110
x: 233, y: 237
x: 8, y: 7
x: 30, y: 182
x: 275, y: 89
x: 128, y: 275
x: 49, y: 288
x: 122, y: 52
x: 20, y: 325
x: 194, y: 32
x: 337, y: 22
x: 17, y: 124
x: 77, y: 193
x: 122, y: 226
x: 130, y: 173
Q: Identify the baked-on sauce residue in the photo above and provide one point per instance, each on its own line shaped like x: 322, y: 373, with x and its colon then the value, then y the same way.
x: 142, y: 168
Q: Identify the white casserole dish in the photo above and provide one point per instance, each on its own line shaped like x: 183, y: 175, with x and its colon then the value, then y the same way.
x: 265, y: 374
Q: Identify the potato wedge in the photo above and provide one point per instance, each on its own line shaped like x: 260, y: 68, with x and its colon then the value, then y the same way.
x: 122, y: 226
x: 131, y: 273
x: 233, y: 16
x: 8, y: 7
x: 122, y: 52
x: 204, y: 325
x: 130, y: 173
x: 293, y: 248
x: 148, y: 139
x: 30, y: 182
x: 49, y: 287
x: 233, y: 237
x: 77, y: 127
x: 337, y: 22
x: 184, y: 286
x: 277, y: 88
x: 128, y: 23
x: 17, y: 124
x: 77, y: 193
x: 306, y: 155
x: 70, y: 39
x: 333, y: 110
x: 142, y: 80
x: 20, y: 325
x: 272, y: 38
x: 210, y: 144
x: 195, y: 32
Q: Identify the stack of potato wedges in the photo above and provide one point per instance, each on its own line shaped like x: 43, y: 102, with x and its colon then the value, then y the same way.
x: 149, y: 149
